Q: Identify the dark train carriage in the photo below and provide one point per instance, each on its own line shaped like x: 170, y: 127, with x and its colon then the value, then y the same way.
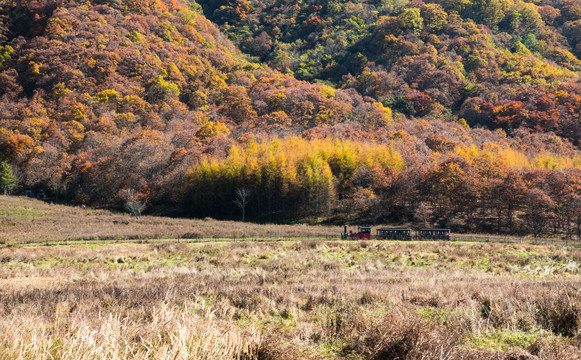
x: 394, y: 234
x: 364, y: 232
x: 434, y: 234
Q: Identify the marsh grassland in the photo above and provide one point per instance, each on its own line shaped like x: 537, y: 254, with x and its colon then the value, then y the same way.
x: 295, y: 299
x: 24, y: 220
x: 289, y: 300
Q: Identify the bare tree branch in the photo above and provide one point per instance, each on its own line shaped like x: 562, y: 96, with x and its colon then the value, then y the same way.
x: 133, y: 204
x: 242, y: 199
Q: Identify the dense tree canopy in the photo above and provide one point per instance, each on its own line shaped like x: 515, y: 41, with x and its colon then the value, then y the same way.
x: 478, y: 60
x: 462, y: 114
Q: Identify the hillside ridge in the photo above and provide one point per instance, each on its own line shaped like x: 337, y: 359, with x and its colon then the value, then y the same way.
x: 138, y: 105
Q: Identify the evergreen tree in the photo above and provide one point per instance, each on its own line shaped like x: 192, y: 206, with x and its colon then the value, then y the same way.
x: 7, y: 177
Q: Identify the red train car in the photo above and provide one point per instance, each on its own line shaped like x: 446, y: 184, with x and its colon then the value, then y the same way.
x: 363, y: 232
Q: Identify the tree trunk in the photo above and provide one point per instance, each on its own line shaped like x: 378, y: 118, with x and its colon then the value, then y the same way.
x: 579, y: 226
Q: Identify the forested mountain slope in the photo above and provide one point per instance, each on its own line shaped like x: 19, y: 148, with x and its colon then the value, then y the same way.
x: 112, y: 95
x: 112, y: 102
x: 496, y: 63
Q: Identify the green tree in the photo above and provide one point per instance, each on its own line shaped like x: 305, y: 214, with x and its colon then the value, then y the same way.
x: 5, y: 54
x: 435, y: 17
x: 7, y: 177
x: 530, y: 41
x: 488, y: 12
x: 410, y: 19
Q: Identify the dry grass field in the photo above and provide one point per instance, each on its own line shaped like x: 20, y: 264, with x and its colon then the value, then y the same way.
x: 24, y: 220
x: 294, y: 299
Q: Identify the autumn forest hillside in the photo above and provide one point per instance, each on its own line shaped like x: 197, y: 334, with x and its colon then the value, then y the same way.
x: 451, y: 113
x: 495, y: 63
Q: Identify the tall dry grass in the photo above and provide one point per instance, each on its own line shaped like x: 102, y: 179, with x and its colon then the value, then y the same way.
x: 168, y: 333
x: 290, y: 300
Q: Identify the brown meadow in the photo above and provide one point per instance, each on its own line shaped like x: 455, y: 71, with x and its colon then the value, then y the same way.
x: 290, y: 300
x: 287, y: 299
x: 25, y: 220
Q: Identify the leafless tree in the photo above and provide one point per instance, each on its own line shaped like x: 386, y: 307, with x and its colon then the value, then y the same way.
x: 133, y: 203
x: 241, y: 200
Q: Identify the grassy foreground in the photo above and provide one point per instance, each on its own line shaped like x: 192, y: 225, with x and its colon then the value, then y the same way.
x: 296, y: 299
x: 290, y: 300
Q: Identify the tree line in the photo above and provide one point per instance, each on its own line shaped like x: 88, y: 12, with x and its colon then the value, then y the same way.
x: 486, y: 188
